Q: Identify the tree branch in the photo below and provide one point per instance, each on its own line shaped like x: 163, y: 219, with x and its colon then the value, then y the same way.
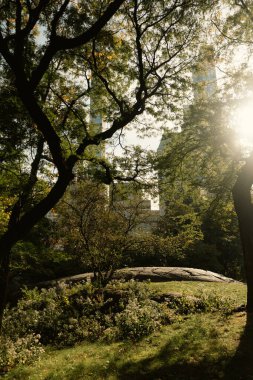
x: 105, y: 82
x: 245, y: 7
x: 27, y: 188
x: 42, y: 121
x: 138, y: 42
x: 34, y: 15
x: 58, y: 43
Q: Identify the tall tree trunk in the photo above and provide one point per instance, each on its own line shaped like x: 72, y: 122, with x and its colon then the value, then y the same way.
x: 20, y: 228
x: 244, y: 209
x: 4, y: 281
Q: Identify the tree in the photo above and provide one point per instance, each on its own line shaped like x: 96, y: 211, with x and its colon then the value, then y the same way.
x: 237, y: 31
x: 136, y: 51
x: 96, y: 229
x: 244, y: 209
x: 197, y: 170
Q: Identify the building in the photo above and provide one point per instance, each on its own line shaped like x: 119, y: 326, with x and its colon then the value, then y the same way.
x: 204, y: 81
x: 133, y: 203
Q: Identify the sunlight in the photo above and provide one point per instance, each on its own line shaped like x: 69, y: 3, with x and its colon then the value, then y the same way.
x: 243, y: 122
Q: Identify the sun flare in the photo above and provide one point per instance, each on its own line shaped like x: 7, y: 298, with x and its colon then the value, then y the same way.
x: 243, y: 122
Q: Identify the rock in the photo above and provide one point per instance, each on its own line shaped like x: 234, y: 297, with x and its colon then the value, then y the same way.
x: 162, y: 274
x: 154, y: 274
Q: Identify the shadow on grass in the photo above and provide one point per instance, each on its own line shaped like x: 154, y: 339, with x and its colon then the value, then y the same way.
x: 155, y: 368
x: 221, y: 366
x: 241, y: 365
x: 196, y: 353
x: 178, y: 360
x: 178, y: 363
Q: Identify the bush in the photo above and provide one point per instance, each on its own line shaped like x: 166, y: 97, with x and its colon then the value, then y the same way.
x: 130, y: 290
x: 62, y: 315
x: 212, y: 302
x: 67, y: 314
x: 139, y: 319
x: 19, y: 351
x: 77, y: 330
x: 202, y: 303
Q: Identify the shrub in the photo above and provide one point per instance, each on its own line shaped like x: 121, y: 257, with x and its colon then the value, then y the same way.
x: 212, y: 302
x: 68, y: 314
x: 77, y: 330
x: 139, y: 319
x: 21, y: 350
x: 202, y: 303
x: 62, y: 316
x: 129, y: 290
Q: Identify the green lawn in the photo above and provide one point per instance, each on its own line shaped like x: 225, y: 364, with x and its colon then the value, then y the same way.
x: 236, y: 292
x: 199, y: 346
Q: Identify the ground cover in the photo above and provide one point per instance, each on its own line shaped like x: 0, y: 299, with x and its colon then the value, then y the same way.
x: 235, y: 292
x: 196, y: 346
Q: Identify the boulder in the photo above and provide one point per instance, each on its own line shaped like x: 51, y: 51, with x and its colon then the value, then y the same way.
x: 157, y: 274
x: 154, y: 274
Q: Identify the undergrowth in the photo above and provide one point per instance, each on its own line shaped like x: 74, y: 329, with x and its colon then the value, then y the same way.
x: 69, y: 314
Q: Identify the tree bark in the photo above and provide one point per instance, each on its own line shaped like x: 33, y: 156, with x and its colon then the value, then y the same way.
x: 244, y: 209
x: 4, y: 281
x: 21, y: 227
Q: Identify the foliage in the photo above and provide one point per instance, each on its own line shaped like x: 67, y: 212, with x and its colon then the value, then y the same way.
x: 189, y: 237
x: 130, y: 51
x: 192, y: 347
x: 196, y: 186
x: 154, y: 250
x: 220, y: 228
x: 32, y: 257
x: 68, y: 314
x: 98, y: 230
x: 139, y: 319
x: 5, y: 204
x: 23, y: 350
x: 56, y: 314
x: 201, y: 303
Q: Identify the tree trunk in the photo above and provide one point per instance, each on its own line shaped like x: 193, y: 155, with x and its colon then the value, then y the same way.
x: 4, y: 281
x: 20, y: 228
x: 244, y: 209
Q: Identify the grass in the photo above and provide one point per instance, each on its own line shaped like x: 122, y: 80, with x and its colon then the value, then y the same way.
x: 235, y: 292
x: 199, y: 346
